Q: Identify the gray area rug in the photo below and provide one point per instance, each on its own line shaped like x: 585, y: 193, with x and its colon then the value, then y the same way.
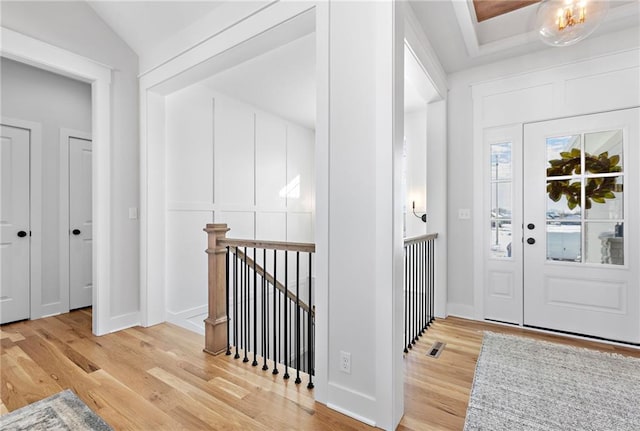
x: 525, y: 384
x: 62, y: 411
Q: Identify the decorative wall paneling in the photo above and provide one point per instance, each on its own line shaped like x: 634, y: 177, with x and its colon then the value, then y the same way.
x: 228, y: 162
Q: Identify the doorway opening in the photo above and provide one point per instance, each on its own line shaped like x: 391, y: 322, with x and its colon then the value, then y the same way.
x: 239, y: 149
x: 419, y: 91
x: 47, y: 269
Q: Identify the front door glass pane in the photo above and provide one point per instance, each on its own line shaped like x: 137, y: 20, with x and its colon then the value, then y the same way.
x: 607, y: 198
x: 563, y: 201
x: 501, y: 200
x: 603, y: 152
x: 564, y: 241
x: 563, y: 155
x: 585, y: 199
x: 604, y: 242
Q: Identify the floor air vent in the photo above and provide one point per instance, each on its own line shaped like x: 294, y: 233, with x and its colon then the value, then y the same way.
x: 436, y: 349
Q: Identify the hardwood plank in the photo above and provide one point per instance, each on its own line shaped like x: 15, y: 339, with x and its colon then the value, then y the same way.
x: 159, y: 378
x: 131, y: 405
x: 23, y: 381
x: 57, y: 364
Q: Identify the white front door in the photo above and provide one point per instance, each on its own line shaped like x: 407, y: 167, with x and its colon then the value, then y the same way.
x: 80, y: 224
x: 14, y: 224
x: 581, y: 225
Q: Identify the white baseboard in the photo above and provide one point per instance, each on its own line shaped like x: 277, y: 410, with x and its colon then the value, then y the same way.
x: 361, y: 406
x: 461, y: 310
x: 351, y: 415
x: 124, y: 321
x: 191, y: 319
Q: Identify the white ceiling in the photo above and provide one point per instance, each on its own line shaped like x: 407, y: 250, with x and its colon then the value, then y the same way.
x: 461, y: 42
x: 145, y: 24
x: 281, y: 81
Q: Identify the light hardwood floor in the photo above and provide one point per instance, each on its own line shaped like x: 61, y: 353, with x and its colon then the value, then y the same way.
x: 159, y: 378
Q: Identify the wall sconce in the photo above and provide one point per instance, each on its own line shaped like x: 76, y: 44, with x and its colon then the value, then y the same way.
x: 422, y: 217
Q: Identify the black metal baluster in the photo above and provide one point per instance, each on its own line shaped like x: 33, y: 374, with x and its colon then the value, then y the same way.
x: 276, y: 301
x: 247, y: 316
x: 419, y: 293
x: 265, y: 306
x: 432, y: 285
x: 286, y: 300
x: 235, y: 303
x: 416, y: 316
x: 414, y: 332
x: 227, y: 269
x: 310, y: 346
x: 426, y: 285
x: 411, y: 283
x: 423, y: 288
x: 298, y: 380
x: 404, y: 282
x: 428, y: 281
x: 255, y: 311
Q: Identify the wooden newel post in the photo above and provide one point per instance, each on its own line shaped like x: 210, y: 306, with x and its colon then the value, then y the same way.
x: 215, y: 325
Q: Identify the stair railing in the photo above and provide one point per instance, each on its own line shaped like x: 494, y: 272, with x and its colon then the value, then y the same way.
x: 419, y: 287
x: 260, y: 302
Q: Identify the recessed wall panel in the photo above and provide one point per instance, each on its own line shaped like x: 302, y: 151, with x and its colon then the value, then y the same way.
x: 300, y: 168
x: 241, y: 223
x: 271, y: 164
x: 186, y: 259
x: 603, y: 91
x: 513, y: 106
x: 299, y: 227
x: 233, y: 153
x: 189, y: 147
x: 271, y: 226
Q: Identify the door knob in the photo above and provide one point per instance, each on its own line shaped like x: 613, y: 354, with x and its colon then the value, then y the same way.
x: 531, y: 241
x: 22, y: 234
x: 76, y: 231
x: 531, y: 226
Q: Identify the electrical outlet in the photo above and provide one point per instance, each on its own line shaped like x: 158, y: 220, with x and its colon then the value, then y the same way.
x: 464, y: 214
x: 345, y: 362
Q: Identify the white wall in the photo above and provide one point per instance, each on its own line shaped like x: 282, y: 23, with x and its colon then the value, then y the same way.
x: 360, y: 210
x: 54, y: 101
x: 461, y: 146
x: 74, y: 26
x: 415, y: 133
x: 229, y: 162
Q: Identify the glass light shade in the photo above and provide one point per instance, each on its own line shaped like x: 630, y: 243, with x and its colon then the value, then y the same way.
x: 565, y: 22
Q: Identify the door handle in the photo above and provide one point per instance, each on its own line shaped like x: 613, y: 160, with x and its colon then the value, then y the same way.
x: 22, y: 234
x: 531, y: 226
x: 76, y: 231
x: 531, y: 241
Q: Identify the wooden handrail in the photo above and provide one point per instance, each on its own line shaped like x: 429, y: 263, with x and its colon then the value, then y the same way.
x: 302, y: 247
x: 216, y: 324
x: 421, y: 238
x: 261, y: 272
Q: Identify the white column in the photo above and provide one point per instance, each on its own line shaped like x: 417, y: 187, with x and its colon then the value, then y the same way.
x: 359, y: 209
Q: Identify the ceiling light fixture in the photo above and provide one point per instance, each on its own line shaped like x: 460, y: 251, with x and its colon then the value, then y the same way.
x: 565, y: 22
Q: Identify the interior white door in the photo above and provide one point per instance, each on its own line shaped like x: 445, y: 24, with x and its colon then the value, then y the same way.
x: 581, y: 225
x: 80, y: 224
x: 14, y: 224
